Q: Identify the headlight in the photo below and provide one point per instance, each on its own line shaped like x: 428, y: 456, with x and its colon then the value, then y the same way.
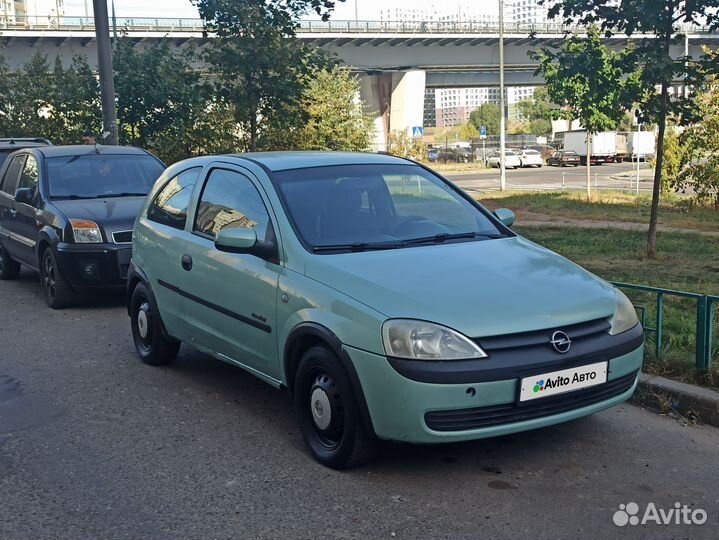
x: 419, y: 340
x: 85, y: 231
x: 625, y: 316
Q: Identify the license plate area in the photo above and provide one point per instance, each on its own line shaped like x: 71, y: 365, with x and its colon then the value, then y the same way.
x: 561, y: 382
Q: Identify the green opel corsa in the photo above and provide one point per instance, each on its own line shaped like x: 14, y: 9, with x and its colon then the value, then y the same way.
x: 387, y: 301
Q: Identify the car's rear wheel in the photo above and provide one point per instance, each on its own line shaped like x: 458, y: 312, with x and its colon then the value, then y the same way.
x: 9, y: 269
x: 58, y: 293
x: 153, y: 347
x: 328, y: 412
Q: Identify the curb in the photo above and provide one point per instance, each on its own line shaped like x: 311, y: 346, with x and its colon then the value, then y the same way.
x: 694, y: 403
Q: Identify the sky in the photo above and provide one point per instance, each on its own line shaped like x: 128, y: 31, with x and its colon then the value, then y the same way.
x: 367, y: 9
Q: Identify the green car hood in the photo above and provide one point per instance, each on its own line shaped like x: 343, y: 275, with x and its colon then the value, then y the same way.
x: 481, y: 288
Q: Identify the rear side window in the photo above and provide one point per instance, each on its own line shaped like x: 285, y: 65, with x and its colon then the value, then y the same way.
x: 9, y: 182
x: 170, y: 205
x: 29, y: 176
x: 229, y: 199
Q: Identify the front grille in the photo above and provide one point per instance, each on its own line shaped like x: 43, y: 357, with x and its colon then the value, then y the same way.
x: 122, y: 237
x: 540, y: 338
x: 508, y: 413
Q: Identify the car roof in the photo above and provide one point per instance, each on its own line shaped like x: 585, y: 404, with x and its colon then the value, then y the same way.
x: 18, y: 143
x: 87, y: 149
x: 283, y: 161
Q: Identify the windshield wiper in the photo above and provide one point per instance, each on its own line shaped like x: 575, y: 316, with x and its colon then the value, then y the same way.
x: 443, y: 237
x: 357, y: 246
x: 71, y: 197
x: 124, y: 194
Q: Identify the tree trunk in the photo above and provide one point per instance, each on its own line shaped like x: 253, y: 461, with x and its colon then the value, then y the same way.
x: 656, y: 191
x: 589, y: 166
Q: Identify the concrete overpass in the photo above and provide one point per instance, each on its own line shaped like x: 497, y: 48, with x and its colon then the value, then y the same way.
x: 396, y: 60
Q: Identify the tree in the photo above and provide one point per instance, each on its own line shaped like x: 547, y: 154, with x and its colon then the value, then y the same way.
x: 486, y: 115
x: 468, y: 131
x: 55, y: 103
x: 586, y: 78
x: 700, y: 158
x: 158, y: 91
x: 336, y: 118
x: 399, y: 143
x: 539, y: 111
x: 259, y: 67
x: 659, y: 21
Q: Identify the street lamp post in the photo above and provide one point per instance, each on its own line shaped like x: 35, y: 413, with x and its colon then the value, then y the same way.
x: 502, y: 127
x: 104, y: 64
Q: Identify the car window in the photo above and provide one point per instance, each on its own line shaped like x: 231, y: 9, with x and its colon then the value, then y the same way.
x: 12, y: 174
x: 229, y: 199
x: 29, y: 176
x: 102, y: 175
x: 170, y: 204
x: 350, y: 204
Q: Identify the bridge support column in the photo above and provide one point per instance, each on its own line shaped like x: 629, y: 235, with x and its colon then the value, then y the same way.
x: 396, y: 100
x: 407, y: 101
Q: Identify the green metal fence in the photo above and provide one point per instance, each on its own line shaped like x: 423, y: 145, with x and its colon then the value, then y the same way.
x: 705, y: 305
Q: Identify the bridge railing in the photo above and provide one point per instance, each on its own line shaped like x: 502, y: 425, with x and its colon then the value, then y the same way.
x: 162, y: 24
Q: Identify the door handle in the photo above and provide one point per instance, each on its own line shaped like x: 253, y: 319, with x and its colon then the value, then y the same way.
x: 187, y: 262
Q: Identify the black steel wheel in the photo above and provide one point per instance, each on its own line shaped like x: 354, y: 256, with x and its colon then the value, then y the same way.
x: 328, y: 412
x: 151, y: 344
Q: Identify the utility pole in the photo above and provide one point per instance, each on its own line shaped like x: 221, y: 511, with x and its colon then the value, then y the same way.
x: 104, y: 64
x: 502, y: 127
x: 114, y: 25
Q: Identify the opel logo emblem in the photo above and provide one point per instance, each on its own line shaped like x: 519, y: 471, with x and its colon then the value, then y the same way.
x: 561, y: 342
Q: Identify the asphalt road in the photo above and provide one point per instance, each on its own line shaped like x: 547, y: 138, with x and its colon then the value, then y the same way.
x: 604, y: 177
x: 95, y: 445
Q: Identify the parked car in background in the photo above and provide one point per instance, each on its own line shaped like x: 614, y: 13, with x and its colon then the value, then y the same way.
x: 433, y: 154
x: 310, y: 271
x: 530, y: 158
x: 564, y: 158
x: 511, y: 159
x: 68, y: 212
x: 458, y: 154
x: 10, y: 145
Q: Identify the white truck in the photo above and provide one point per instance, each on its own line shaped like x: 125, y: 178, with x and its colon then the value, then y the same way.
x: 604, y: 145
x: 640, y: 144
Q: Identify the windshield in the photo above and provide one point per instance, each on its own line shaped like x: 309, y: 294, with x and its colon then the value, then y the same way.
x: 374, y: 206
x: 531, y: 153
x: 101, y: 175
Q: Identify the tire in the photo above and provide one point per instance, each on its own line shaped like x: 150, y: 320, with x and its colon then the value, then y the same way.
x: 9, y: 269
x: 328, y: 413
x: 57, y: 291
x: 151, y: 344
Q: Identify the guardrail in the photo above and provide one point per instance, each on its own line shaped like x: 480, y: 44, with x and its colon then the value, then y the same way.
x: 165, y: 24
x: 705, y: 305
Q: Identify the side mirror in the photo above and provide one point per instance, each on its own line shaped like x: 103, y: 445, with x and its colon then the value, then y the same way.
x: 24, y: 195
x: 236, y: 240
x: 505, y: 215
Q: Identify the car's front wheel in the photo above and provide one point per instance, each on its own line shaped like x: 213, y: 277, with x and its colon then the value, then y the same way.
x: 9, y: 269
x: 153, y: 347
x: 328, y: 412
x: 58, y: 293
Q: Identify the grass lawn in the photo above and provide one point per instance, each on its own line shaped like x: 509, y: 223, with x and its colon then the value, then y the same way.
x: 605, y: 206
x: 686, y: 261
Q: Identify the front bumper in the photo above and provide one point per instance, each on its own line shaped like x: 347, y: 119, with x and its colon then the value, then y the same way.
x: 401, y: 408
x: 94, y: 266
